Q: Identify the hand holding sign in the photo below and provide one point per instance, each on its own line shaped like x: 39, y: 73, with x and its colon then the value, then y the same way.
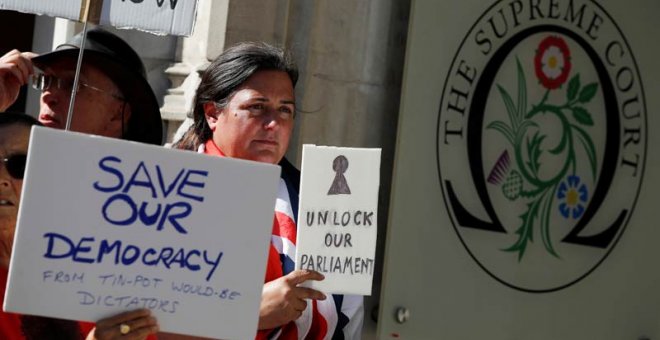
x: 137, y: 324
x: 337, y: 217
x: 283, y: 300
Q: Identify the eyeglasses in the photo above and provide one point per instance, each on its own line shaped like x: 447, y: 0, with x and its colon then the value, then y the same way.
x: 15, y: 165
x: 43, y: 82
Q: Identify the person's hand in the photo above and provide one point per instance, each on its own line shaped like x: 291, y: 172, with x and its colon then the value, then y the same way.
x: 137, y: 324
x: 283, y: 301
x: 15, y: 70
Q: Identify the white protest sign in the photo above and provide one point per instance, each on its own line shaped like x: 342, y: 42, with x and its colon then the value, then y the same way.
x: 337, y: 217
x: 174, y: 17
x: 107, y: 225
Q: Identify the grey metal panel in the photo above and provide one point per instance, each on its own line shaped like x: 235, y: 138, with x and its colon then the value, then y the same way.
x: 427, y: 268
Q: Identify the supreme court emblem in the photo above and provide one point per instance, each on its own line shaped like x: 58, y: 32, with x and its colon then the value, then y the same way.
x: 541, y: 141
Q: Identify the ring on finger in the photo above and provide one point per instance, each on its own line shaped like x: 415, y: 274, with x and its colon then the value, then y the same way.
x: 124, y: 329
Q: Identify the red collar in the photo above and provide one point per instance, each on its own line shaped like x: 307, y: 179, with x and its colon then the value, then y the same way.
x: 211, y: 149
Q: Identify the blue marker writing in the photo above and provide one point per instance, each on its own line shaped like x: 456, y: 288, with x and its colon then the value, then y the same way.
x: 170, y: 201
x: 90, y: 250
x: 127, y: 301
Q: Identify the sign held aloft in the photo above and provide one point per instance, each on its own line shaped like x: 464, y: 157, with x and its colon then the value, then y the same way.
x: 337, y: 217
x: 174, y: 17
x: 107, y: 226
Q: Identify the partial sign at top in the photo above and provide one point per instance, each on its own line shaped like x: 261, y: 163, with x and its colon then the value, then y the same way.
x: 337, y: 217
x: 175, y: 17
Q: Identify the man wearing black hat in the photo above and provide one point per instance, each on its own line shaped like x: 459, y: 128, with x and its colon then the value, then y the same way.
x: 114, y: 98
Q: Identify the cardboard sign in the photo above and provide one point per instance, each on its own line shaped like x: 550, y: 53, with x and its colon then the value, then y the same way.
x: 337, y: 219
x: 107, y: 226
x: 175, y: 17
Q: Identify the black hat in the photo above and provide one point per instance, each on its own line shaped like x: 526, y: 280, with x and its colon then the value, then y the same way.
x: 117, y: 60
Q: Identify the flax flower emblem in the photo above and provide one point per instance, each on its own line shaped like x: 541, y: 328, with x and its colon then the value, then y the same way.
x: 573, y: 196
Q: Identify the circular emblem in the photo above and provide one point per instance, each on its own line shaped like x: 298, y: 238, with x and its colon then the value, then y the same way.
x: 541, y: 141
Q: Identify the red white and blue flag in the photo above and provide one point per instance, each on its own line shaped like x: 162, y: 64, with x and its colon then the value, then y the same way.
x: 339, y: 317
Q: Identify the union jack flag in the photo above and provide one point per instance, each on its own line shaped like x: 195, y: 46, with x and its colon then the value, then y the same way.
x: 339, y: 317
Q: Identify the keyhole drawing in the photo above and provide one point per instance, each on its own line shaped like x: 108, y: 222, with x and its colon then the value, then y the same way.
x: 339, y: 185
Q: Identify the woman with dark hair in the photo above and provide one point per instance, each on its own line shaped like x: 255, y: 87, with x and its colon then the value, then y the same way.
x: 244, y: 108
x: 138, y: 324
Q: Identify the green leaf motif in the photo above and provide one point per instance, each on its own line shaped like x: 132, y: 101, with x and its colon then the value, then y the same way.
x: 504, y: 129
x: 561, y: 146
x: 524, y: 232
x: 534, y: 152
x: 589, y: 148
x: 545, y: 221
x: 573, y: 87
x: 582, y: 116
x: 522, y: 92
x: 510, y: 107
x: 588, y: 92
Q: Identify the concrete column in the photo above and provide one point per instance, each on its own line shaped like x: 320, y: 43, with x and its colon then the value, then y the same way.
x: 257, y: 20
x: 157, y: 53
x: 192, y: 57
x: 351, y: 56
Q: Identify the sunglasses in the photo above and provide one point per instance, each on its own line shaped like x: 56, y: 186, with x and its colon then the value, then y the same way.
x: 15, y: 165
